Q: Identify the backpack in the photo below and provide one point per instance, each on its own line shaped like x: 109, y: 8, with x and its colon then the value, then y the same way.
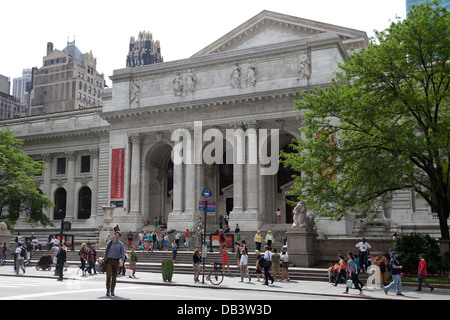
x: 22, y: 252
x: 224, y: 237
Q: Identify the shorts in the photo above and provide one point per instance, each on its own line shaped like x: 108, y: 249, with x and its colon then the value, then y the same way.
x: 196, y: 266
x: 276, y: 267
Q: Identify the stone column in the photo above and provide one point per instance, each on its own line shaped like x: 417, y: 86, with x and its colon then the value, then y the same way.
x: 94, y: 171
x: 70, y: 204
x: 177, y: 188
x: 252, y: 168
x: 238, y: 168
x: 47, y: 186
x: 135, y: 182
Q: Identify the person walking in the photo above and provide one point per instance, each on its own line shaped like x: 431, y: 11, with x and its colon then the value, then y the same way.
x: 364, y: 249
x: 90, y: 261
x: 284, y: 264
x: 258, y: 240
x: 342, y: 269
x: 83, y: 257
x: 133, y: 261
x: 267, y: 260
x: 114, y: 256
x: 19, y: 256
x: 269, y: 238
x: 395, y: 273
x: 225, y: 259
x: 4, y: 253
x: 352, y: 274
x: 276, y: 272
x: 422, y: 273
x: 196, y: 264
x: 61, y: 258
x: 186, y: 238
x: 244, y: 266
x: 174, y: 250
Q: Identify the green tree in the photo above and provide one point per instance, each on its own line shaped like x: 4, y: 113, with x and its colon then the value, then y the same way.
x: 382, y: 125
x: 18, y: 185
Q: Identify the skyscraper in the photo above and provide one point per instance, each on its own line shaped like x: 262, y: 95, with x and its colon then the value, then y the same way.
x: 20, y: 85
x: 67, y: 81
x: 143, y: 50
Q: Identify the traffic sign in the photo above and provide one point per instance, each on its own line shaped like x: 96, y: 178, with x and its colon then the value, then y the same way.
x: 206, y: 194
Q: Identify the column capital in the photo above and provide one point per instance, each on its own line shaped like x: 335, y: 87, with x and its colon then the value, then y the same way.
x: 135, y: 138
x: 71, y: 155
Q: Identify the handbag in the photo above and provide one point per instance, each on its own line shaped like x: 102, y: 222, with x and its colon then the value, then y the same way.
x: 103, y: 263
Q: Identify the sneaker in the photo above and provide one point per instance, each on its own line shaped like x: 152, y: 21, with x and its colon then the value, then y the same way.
x: 400, y: 294
x: 112, y: 294
x: 432, y: 289
x: 385, y: 291
x: 107, y: 293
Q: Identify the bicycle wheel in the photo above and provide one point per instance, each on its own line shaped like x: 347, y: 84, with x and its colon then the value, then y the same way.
x: 216, y: 277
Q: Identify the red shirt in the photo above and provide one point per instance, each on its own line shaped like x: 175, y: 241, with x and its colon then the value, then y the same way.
x: 424, y: 264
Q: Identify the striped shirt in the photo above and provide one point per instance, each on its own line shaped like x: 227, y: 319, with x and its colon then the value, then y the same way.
x: 116, y: 250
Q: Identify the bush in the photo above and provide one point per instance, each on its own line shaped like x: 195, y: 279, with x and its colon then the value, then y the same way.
x: 167, y: 270
x: 446, y: 261
x: 409, y: 246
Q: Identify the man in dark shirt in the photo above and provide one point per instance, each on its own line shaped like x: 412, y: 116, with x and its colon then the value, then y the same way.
x: 60, y: 261
x: 114, y: 256
x: 396, y: 275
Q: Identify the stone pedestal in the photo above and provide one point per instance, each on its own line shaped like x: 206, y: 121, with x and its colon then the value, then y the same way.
x: 302, y: 246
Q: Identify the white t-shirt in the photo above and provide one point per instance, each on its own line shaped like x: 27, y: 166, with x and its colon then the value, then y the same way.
x: 244, y: 259
x: 18, y: 250
x: 363, y: 247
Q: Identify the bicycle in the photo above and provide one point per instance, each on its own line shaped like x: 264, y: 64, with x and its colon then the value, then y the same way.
x: 215, y: 276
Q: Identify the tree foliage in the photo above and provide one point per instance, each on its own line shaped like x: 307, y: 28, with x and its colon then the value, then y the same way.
x: 382, y: 125
x: 18, y: 185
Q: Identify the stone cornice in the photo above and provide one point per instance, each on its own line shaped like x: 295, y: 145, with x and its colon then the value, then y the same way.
x: 291, y: 93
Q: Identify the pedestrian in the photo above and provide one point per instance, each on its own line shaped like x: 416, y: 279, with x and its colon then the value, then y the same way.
x: 155, y: 223
x: 284, y: 264
x: 141, y: 240
x: 94, y: 255
x: 114, y: 256
x: 166, y: 241
x: 244, y: 266
x: 226, y: 219
x: 61, y: 259
x: 83, y: 257
x: 364, y: 249
x: 258, y: 264
x: 129, y: 240
x: 177, y: 239
x: 220, y: 221
x: 342, y: 272
x: 395, y: 273
x: 174, y: 250
x: 276, y: 272
x: 133, y: 261
x: 381, y: 262
x: 422, y: 273
x: 352, y: 274
x: 278, y: 216
x: 225, y: 260
x: 222, y: 238
x: 20, y: 255
x: 258, y: 240
x: 237, y: 252
x: 186, y: 238
x: 196, y: 264
x: 269, y: 238
x: 53, y: 253
x: 237, y: 229
x: 4, y: 253
x: 198, y: 235
x: 267, y: 263
x: 27, y: 247
x: 90, y: 261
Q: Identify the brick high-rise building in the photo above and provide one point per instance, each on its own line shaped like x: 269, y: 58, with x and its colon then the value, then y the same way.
x: 68, y: 80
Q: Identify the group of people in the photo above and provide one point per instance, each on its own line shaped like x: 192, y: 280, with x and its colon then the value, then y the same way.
x: 350, y: 268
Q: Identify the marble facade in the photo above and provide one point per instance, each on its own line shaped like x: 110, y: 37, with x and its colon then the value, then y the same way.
x: 246, y: 81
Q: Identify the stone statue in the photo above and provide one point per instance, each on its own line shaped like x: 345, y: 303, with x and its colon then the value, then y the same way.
x: 134, y: 91
x: 3, y: 227
x: 191, y: 82
x: 178, y: 84
x: 304, y: 66
x: 236, y: 77
x: 299, y: 215
x: 251, y: 75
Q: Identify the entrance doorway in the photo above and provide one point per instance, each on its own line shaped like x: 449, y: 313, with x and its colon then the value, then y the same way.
x: 290, y: 205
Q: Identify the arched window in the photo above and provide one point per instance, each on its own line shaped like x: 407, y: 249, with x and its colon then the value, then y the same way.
x: 84, y: 203
x: 60, y: 204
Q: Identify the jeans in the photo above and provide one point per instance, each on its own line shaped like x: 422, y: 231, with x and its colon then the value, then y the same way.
x: 397, y: 282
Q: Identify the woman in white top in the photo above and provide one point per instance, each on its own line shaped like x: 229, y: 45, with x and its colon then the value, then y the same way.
x: 284, y: 265
x: 243, y: 265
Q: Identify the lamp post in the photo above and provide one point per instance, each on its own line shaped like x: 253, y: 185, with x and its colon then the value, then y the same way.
x: 206, y: 195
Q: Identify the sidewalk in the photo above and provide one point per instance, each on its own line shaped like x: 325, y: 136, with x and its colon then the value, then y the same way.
x: 293, y: 287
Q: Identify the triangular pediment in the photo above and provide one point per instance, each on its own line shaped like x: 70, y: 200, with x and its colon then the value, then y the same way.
x: 269, y: 27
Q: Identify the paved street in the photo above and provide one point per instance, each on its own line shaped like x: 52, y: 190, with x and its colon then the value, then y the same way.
x: 38, y: 284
